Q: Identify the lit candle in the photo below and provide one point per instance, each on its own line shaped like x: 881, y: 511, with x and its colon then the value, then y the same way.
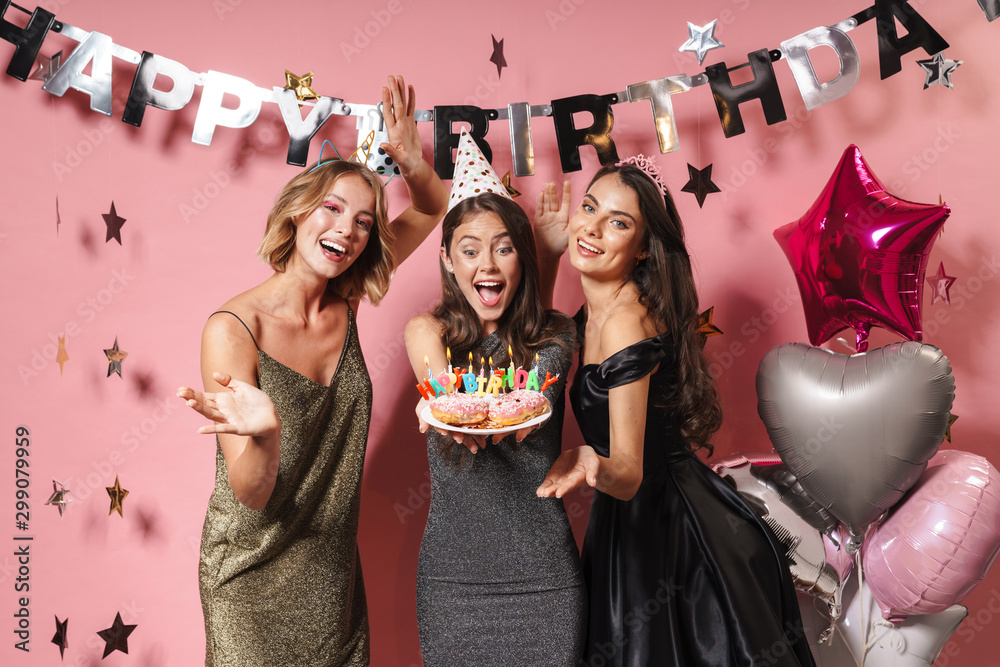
x: 509, y: 377
x: 470, y: 362
x: 427, y: 363
x: 447, y: 351
x: 482, y: 367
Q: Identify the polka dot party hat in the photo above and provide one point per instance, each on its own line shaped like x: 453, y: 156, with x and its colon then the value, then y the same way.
x: 473, y: 174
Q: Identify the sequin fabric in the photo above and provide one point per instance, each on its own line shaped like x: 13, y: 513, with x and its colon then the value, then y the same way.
x: 499, y: 579
x: 283, y: 585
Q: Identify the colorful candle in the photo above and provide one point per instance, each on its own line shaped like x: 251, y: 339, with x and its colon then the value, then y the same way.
x: 520, y: 379
x: 427, y: 363
x: 509, y: 377
x: 532, y: 381
x: 447, y: 352
x: 470, y: 382
x: 470, y: 362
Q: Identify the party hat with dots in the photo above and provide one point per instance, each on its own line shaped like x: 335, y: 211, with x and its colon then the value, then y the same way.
x: 473, y: 174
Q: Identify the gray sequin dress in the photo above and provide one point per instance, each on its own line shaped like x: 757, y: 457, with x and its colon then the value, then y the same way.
x: 499, y: 579
x: 282, y: 585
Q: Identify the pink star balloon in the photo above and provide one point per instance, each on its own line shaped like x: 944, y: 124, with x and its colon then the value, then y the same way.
x: 860, y: 254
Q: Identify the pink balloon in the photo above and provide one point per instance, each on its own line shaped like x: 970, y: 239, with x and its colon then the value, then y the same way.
x: 860, y: 254
x: 939, y: 542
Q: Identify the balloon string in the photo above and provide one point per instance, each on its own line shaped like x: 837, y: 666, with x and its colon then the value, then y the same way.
x: 865, y: 643
x: 837, y: 631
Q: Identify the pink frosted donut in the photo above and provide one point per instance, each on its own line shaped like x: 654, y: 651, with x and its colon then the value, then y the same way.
x: 459, y: 409
x: 517, y: 407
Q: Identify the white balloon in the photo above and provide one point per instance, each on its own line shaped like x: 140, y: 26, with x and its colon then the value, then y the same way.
x: 916, y: 642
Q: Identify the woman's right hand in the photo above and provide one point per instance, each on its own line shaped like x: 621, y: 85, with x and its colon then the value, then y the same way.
x: 240, y: 409
x: 471, y: 442
x: 573, y: 469
x: 552, y: 220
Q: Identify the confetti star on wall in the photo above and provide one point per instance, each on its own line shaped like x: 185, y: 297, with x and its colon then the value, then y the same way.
x: 952, y: 418
x: 511, y: 190
x: 60, y: 638
x: 700, y: 183
x: 118, y: 495
x: 116, y: 637
x: 497, y: 57
x: 115, y: 359
x: 302, y: 85
x: 62, y: 356
x: 939, y: 70
x: 46, y: 67
x: 114, y: 223
x: 701, y: 40
x: 941, y: 284
x: 59, y: 496
x: 705, y: 326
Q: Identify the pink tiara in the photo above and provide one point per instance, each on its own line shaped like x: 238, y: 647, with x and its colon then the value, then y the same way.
x: 651, y: 169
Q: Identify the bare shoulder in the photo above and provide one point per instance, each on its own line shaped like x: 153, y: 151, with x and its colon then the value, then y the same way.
x: 626, y: 325
x: 423, y: 326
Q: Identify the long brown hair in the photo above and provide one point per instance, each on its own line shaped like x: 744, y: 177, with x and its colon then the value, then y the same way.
x: 368, y: 276
x: 666, y: 288
x: 525, y: 325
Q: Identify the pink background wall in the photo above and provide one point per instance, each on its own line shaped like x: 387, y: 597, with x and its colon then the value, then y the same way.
x: 178, y: 264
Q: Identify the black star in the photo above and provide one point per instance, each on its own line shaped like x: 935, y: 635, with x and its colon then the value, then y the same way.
x: 60, y: 639
x: 116, y: 637
x: 114, y: 223
x: 700, y: 183
x: 497, y: 57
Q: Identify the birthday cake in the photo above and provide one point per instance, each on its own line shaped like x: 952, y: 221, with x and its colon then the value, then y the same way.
x: 499, y: 399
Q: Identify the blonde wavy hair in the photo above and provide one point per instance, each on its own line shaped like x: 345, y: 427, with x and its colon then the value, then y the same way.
x: 368, y: 276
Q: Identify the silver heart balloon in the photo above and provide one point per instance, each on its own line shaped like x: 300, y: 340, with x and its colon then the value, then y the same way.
x: 855, y: 430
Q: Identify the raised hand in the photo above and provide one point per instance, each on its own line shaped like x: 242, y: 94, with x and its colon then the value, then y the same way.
x: 552, y: 220
x: 572, y: 469
x: 398, y: 105
x: 240, y: 409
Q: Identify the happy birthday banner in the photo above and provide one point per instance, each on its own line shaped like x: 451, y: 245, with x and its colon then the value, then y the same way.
x: 97, y: 50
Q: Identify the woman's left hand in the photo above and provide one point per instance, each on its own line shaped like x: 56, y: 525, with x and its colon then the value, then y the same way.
x: 572, y: 469
x: 398, y: 106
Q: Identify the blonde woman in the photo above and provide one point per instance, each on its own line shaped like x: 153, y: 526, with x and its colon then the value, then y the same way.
x: 290, y: 399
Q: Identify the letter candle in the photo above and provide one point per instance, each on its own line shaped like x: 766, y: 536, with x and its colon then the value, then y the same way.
x: 532, y: 382
x: 508, y: 377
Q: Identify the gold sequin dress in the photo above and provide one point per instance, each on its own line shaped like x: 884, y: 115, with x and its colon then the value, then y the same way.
x: 283, y: 585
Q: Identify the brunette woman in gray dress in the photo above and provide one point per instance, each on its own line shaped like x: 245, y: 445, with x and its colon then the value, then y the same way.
x: 498, y: 580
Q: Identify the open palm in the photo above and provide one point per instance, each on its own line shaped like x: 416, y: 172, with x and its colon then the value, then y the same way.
x: 240, y: 408
x: 572, y: 469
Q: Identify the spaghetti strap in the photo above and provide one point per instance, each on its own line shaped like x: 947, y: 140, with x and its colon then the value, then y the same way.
x: 243, y: 323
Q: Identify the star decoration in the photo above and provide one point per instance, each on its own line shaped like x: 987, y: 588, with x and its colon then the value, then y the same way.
x: 952, y: 418
x: 62, y: 356
x: 116, y: 637
x: 46, y: 67
x: 59, y: 496
x: 700, y: 183
x: 505, y: 179
x: 60, y: 638
x: 859, y: 255
x: 705, y: 326
x: 115, y: 359
x: 118, y: 495
x: 701, y: 40
x: 114, y: 223
x: 939, y: 70
x: 497, y: 57
x: 941, y: 284
x: 302, y: 85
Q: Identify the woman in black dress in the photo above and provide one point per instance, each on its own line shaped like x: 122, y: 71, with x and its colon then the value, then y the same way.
x: 679, y: 570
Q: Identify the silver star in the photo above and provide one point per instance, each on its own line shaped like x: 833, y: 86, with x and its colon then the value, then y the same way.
x: 702, y: 40
x: 47, y: 67
x: 939, y: 70
x: 59, y: 496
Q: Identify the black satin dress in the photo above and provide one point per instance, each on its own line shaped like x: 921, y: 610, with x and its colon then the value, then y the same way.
x: 684, y: 573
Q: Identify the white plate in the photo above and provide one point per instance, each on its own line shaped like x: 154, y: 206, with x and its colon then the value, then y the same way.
x: 426, y: 415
